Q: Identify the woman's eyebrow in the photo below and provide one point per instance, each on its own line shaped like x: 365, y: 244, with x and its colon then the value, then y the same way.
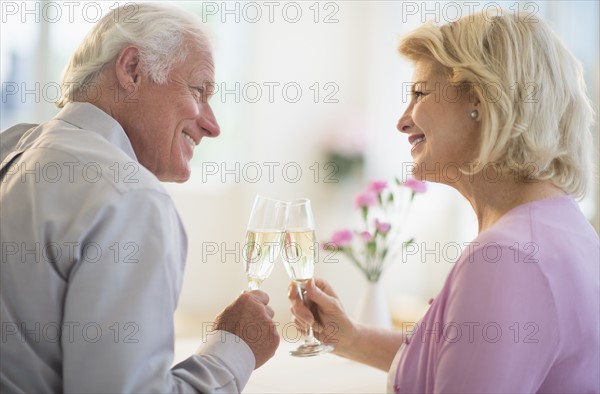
x: 414, y: 85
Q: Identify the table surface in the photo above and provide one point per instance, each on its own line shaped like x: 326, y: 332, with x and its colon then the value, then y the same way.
x: 325, y: 373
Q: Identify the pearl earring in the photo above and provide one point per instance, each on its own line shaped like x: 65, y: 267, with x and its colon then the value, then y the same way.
x: 474, y: 114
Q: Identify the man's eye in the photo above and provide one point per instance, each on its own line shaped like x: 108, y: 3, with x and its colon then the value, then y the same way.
x: 200, y: 93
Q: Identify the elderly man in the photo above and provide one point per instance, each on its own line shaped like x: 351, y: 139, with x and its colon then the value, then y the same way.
x: 93, y: 250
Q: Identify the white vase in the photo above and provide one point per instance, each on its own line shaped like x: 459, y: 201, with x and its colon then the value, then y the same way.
x: 372, y: 308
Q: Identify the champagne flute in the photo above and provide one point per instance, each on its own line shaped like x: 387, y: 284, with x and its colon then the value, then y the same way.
x: 299, y: 257
x: 264, y: 238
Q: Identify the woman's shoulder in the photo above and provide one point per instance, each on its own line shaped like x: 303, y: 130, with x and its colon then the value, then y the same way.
x: 551, y: 224
x: 547, y: 244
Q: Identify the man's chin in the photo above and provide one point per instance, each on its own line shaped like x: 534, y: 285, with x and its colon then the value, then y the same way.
x: 181, y: 177
x: 181, y: 180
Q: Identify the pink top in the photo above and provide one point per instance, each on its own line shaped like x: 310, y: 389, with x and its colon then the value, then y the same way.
x: 519, y: 311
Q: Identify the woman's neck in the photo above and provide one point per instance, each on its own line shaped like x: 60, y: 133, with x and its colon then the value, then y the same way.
x: 491, y: 200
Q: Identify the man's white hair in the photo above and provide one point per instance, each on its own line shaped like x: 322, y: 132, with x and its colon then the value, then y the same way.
x: 163, y: 35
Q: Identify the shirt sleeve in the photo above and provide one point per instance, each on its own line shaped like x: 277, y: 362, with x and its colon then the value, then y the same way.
x: 202, y: 370
x: 118, y: 310
x: 500, y: 331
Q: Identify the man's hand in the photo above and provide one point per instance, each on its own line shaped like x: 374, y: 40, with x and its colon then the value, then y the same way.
x: 250, y: 318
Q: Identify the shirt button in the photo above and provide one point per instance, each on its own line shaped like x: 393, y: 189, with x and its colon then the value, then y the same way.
x: 430, y: 301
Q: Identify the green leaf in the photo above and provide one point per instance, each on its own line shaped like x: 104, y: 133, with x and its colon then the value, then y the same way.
x: 371, y: 248
x: 365, y: 211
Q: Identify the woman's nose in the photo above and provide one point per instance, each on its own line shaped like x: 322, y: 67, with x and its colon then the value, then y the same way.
x: 405, y: 123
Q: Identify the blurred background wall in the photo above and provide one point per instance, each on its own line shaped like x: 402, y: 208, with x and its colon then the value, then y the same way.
x: 297, y: 82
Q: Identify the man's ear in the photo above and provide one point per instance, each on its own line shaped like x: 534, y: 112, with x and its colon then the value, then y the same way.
x: 128, y: 68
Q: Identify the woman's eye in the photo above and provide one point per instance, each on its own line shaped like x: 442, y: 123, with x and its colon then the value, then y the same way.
x: 417, y: 94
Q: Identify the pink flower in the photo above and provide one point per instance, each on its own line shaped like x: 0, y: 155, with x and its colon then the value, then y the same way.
x: 415, y: 185
x: 366, y: 199
x: 377, y: 186
x: 382, y: 227
x: 366, y: 236
x: 342, y: 238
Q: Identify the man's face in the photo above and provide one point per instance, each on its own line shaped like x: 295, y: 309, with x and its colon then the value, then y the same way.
x: 165, y: 122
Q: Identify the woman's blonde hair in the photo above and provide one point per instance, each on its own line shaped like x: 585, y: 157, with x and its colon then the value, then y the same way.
x: 164, y: 36
x: 535, y: 115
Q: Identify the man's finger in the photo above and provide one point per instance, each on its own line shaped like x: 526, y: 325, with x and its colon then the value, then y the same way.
x: 259, y: 295
x: 270, y: 311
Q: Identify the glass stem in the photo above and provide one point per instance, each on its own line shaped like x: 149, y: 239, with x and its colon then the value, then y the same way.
x: 252, y: 285
x: 310, y: 337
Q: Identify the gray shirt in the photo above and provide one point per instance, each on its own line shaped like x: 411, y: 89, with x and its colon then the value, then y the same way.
x: 93, y: 254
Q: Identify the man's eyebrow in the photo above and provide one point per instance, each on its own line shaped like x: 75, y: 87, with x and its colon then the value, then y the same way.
x: 201, y: 70
x: 201, y: 78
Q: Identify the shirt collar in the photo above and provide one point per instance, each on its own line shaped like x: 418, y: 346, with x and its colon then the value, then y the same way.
x: 89, y: 117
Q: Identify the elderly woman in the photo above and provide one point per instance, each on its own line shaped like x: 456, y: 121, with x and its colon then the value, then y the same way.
x: 504, y: 100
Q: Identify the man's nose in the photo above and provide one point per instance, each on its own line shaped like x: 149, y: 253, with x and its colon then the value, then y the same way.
x: 208, y: 122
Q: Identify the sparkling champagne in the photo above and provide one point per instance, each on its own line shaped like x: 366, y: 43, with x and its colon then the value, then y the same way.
x: 260, y: 252
x: 299, y: 252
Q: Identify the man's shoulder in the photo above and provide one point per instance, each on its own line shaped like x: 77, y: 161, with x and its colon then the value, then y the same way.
x: 10, y: 137
x: 59, y: 153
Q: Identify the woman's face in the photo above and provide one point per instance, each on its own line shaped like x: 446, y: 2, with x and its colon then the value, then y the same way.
x: 443, y: 135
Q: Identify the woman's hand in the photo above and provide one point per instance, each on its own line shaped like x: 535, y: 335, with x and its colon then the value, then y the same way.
x: 369, y: 345
x: 326, y: 314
